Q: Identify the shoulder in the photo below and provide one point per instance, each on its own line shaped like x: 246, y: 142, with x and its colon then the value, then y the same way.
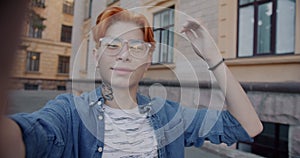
x: 69, y: 101
x: 62, y: 100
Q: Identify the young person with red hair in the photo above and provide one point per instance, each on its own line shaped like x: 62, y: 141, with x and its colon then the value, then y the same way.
x: 115, y: 120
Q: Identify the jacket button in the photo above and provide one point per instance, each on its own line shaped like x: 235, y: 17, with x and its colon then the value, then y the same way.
x: 91, y: 103
x: 100, y: 117
x: 100, y: 149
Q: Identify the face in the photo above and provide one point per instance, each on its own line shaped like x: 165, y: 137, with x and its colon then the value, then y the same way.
x: 122, y: 68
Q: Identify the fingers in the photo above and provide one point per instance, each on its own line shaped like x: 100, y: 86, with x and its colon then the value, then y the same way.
x: 190, y: 35
x: 191, y: 24
x: 197, y: 50
x: 194, y: 26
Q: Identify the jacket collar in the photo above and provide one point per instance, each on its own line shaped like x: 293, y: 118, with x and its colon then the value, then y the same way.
x: 145, y: 103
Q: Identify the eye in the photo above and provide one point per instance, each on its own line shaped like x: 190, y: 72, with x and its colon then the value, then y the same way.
x: 137, y: 46
x: 110, y: 43
x: 113, y: 46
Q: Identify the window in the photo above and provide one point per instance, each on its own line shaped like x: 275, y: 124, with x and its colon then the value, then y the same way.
x: 88, y: 9
x: 66, y: 33
x: 272, y: 142
x: 36, y: 26
x: 163, y: 23
x: 63, y: 64
x: 266, y: 27
x: 38, y: 3
x: 109, y: 2
x: 28, y: 86
x: 61, y: 88
x: 68, y: 7
x: 33, y: 61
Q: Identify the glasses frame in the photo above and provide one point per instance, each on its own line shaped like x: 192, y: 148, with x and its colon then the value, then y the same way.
x: 123, y: 42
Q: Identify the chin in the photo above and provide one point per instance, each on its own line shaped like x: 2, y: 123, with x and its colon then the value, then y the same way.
x: 122, y: 83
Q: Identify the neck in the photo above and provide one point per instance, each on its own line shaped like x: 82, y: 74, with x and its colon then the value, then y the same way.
x: 123, y: 98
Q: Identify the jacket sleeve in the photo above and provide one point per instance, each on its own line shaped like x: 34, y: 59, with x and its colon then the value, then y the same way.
x: 213, y: 125
x: 45, y: 131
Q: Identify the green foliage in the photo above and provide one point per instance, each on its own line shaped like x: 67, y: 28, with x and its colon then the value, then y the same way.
x: 34, y: 18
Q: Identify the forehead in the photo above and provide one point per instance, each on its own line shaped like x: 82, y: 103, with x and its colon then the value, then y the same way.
x: 125, y: 30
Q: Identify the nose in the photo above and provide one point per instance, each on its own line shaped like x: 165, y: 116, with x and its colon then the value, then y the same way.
x: 124, y: 53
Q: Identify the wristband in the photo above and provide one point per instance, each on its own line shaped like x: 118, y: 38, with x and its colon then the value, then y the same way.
x: 214, y: 67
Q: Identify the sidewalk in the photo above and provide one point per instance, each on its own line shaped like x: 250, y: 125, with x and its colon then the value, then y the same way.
x: 29, y: 101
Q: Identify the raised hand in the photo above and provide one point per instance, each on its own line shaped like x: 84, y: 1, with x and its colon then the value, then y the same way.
x: 202, y: 43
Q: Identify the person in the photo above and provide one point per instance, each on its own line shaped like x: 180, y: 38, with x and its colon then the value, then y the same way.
x: 114, y: 120
x: 12, y: 16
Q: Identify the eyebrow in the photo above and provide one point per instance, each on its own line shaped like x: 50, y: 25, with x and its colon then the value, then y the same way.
x: 142, y: 40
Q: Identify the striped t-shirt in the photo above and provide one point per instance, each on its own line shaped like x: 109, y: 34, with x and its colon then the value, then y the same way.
x: 128, y: 134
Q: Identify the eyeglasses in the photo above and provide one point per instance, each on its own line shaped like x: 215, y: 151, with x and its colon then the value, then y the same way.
x: 113, y: 46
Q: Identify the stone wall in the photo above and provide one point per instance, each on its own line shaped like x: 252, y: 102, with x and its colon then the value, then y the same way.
x: 281, y: 108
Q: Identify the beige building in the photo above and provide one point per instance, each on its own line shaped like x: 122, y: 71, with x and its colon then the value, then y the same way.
x: 259, y: 40
x: 42, y: 61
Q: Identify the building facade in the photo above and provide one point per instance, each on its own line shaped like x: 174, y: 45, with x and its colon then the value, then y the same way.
x: 43, y: 59
x: 259, y: 39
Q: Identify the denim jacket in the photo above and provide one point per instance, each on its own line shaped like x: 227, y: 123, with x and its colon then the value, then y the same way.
x: 73, y: 126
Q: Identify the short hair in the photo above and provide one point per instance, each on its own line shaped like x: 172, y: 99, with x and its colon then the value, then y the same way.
x: 112, y: 15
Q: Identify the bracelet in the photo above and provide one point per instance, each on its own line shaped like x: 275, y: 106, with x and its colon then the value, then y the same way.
x: 214, y: 67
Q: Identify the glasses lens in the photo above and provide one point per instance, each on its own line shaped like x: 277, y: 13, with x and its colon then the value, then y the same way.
x: 137, y: 48
x: 111, y: 46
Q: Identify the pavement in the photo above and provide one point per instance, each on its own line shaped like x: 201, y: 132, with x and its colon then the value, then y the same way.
x: 30, y: 100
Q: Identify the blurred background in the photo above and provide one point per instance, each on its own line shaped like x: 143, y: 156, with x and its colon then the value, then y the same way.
x: 259, y: 39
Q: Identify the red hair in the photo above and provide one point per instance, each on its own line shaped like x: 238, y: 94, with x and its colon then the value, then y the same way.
x: 112, y: 15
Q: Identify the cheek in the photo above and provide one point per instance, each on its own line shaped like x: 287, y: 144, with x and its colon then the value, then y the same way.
x: 104, y: 64
x: 141, y: 70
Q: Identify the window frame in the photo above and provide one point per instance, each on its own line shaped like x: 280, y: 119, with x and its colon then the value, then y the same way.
x: 32, y: 66
x: 38, y: 3
x: 273, y: 38
x: 110, y: 2
x: 29, y: 86
x: 66, y: 33
x: 68, y: 8
x: 61, y: 87
x: 88, y: 9
x: 63, y: 66
x: 35, y: 31
x: 161, y: 29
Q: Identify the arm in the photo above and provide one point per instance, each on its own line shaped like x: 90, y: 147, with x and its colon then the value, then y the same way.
x: 43, y: 133
x: 239, y: 104
x: 11, y: 144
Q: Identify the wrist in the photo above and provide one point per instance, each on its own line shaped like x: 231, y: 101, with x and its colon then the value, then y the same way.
x: 213, y: 60
x: 211, y: 68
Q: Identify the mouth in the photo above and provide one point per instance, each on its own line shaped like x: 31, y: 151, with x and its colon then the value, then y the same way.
x: 121, y: 71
